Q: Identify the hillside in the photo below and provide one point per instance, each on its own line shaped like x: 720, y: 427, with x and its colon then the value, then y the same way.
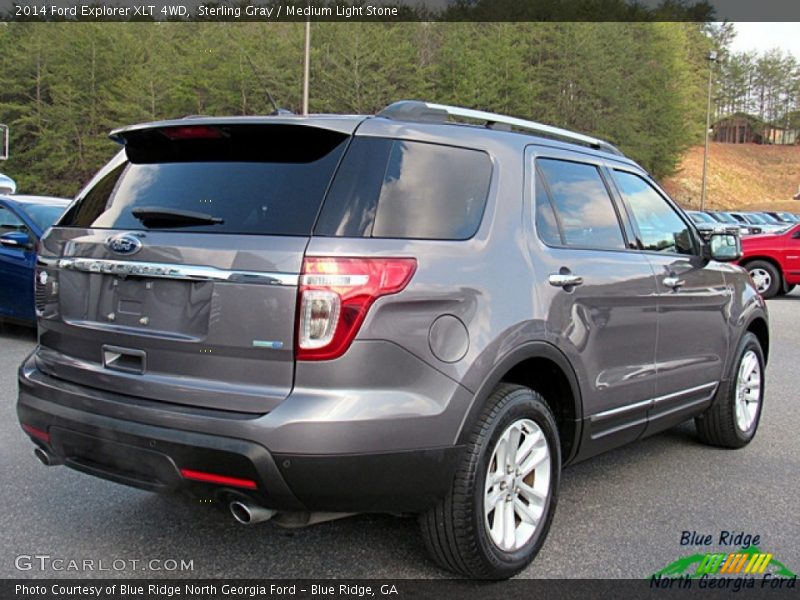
x: 740, y: 176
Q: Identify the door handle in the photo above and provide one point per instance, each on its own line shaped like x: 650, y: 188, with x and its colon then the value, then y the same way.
x: 564, y: 280
x: 671, y: 281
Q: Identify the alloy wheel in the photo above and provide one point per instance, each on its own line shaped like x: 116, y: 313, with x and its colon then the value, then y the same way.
x: 517, y: 485
x: 748, y: 391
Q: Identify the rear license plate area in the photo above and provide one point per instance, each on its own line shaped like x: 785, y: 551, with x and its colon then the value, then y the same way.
x: 150, y: 304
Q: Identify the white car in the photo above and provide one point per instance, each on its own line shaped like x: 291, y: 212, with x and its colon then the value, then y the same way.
x: 7, y: 185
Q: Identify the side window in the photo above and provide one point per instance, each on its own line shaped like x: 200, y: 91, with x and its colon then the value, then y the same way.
x: 583, y: 209
x: 401, y: 189
x: 432, y: 192
x: 10, y: 222
x: 350, y: 206
x: 660, y: 228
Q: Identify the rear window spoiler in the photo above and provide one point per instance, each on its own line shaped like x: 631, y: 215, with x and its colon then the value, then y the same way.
x: 340, y: 124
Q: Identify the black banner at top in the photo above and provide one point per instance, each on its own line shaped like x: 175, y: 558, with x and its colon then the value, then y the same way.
x: 400, y: 10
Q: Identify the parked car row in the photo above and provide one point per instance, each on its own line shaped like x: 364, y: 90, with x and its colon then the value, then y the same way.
x: 747, y: 223
x: 770, y: 245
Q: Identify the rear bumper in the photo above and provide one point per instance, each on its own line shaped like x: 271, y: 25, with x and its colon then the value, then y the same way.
x: 136, y: 442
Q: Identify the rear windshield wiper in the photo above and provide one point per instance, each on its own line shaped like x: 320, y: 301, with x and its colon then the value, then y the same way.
x: 153, y: 216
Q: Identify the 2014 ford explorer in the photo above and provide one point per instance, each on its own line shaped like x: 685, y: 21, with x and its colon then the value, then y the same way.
x: 431, y: 310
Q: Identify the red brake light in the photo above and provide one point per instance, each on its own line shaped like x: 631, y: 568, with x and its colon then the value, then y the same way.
x: 336, y: 294
x: 219, y: 479
x: 37, y: 433
x: 192, y: 132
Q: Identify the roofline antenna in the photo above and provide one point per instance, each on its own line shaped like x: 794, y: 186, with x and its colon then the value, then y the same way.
x: 277, y: 110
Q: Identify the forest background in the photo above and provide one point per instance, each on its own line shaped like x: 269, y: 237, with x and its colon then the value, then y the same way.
x: 643, y: 86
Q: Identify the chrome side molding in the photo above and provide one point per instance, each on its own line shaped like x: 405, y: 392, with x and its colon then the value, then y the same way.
x: 654, y: 402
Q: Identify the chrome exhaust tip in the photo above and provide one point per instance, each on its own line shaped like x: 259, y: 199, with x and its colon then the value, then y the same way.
x: 249, y: 514
x: 47, y: 459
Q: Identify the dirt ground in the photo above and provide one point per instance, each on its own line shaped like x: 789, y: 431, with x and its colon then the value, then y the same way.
x: 740, y: 176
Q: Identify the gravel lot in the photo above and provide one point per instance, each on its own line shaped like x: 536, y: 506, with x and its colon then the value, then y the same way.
x: 619, y: 515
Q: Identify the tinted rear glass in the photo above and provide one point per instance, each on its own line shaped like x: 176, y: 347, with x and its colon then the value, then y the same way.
x: 400, y: 189
x: 251, y: 179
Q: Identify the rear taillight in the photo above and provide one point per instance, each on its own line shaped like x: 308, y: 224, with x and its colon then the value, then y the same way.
x: 335, y: 295
x: 192, y: 132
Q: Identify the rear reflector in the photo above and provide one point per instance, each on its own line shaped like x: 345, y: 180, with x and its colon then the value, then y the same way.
x: 37, y: 433
x: 335, y: 295
x: 192, y: 132
x: 218, y: 479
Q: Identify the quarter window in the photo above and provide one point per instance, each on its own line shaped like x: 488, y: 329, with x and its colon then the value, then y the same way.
x: 583, y: 211
x: 661, y: 229
x: 400, y: 189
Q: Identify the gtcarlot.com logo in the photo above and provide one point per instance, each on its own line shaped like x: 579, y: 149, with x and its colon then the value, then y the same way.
x: 46, y: 562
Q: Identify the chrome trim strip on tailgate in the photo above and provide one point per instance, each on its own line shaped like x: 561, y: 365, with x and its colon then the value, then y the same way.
x: 173, y: 271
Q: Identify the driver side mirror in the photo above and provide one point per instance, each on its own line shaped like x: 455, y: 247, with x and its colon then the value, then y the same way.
x: 724, y: 247
x: 16, y: 239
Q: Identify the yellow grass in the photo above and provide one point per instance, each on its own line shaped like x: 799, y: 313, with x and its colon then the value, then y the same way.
x: 740, y: 176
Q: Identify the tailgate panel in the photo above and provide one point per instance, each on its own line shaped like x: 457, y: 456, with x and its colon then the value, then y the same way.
x: 216, y: 334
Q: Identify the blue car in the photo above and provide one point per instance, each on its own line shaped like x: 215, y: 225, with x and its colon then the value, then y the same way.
x: 23, y: 220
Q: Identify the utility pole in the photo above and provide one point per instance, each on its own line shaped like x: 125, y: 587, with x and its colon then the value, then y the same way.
x: 4, y: 136
x: 306, y: 66
x: 712, y: 58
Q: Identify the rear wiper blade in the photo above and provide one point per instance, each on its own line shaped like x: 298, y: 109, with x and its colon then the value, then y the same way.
x: 154, y: 216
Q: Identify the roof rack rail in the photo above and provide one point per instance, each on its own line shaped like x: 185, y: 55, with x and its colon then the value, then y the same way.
x: 415, y: 110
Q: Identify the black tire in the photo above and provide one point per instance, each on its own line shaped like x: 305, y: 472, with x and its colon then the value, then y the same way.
x: 759, y: 269
x: 718, y: 425
x: 786, y: 288
x: 455, y: 529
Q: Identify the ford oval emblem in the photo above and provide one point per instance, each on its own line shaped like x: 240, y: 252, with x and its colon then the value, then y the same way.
x: 124, y: 243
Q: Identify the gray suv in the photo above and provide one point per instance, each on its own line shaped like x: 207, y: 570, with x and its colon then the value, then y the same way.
x: 428, y: 311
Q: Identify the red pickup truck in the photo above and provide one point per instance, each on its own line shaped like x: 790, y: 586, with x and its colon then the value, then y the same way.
x: 773, y: 261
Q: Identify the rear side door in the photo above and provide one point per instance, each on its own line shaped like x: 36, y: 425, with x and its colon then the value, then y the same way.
x: 599, y: 294
x: 693, y: 301
x: 16, y: 270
